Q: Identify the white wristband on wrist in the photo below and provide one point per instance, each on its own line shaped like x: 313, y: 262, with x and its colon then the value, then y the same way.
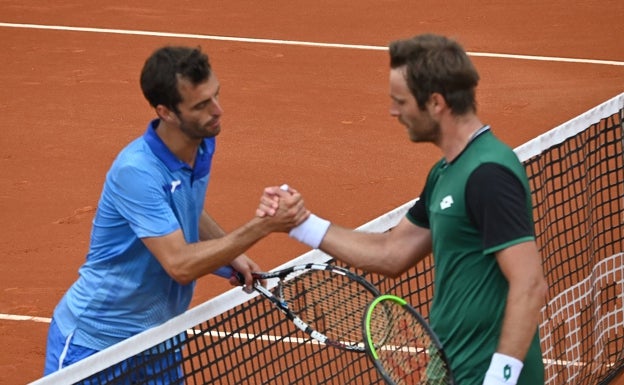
x: 311, y: 231
x: 503, y: 370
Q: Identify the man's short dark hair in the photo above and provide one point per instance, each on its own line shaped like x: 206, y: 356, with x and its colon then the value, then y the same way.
x: 437, y: 64
x: 163, y: 69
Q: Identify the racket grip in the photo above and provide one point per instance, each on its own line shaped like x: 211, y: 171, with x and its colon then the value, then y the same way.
x: 225, y: 272
x: 228, y: 272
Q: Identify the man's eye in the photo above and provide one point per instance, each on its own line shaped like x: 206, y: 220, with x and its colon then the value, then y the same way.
x: 201, y: 106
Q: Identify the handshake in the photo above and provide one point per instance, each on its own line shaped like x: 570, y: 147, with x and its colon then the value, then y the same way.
x: 284, y: 200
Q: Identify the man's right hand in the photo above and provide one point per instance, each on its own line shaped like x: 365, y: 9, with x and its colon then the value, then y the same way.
x: 283, y: 206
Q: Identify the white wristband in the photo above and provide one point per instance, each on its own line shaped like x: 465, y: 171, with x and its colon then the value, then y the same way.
x: 311, y: 231
x: 503, y: 370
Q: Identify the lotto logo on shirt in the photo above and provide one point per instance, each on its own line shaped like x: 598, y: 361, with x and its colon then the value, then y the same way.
x: 446, y: 202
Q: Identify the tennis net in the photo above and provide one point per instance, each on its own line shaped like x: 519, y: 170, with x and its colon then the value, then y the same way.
x: 576, y: 173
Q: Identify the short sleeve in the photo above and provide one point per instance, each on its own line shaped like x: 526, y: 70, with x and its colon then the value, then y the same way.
x: 496, y: 204
x: 142, y: 201
x: 417, y: 214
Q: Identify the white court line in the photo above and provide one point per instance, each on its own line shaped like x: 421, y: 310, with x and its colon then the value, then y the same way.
x: 14, y: 317
x: 272, y: 338
x: 297, y: 43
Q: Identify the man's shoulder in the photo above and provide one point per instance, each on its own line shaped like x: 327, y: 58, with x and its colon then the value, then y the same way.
x: 135, y: 154
x: 135, y: 164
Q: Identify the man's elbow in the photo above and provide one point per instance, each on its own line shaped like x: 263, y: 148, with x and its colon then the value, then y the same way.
x: 180, y: 274
x: 539, y: 290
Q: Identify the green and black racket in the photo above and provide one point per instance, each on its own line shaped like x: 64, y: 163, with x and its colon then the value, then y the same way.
x: 402, y: 346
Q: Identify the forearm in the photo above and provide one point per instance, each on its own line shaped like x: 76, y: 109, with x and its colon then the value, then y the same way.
x: 358, y: 249
x: 186, y: 262
x: 519, y: 328
x: 527, y: 290
x: 206, y: 256
x: 520, y: 321
x: 521, y: 266
x: 390, y: 253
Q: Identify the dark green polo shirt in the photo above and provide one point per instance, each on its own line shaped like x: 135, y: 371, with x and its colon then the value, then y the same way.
x: 475, y: 206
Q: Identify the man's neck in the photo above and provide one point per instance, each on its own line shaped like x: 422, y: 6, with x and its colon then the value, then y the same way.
x: 179, y: 144
x: 457, y: 132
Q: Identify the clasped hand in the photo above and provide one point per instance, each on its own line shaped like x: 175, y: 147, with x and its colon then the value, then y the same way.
x: 284, y: 205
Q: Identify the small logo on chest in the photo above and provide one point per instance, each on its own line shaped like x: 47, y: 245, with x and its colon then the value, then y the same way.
x: 175, y: 185
x: 446, y: 202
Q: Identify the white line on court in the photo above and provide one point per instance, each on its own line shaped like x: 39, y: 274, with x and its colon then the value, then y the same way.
x: 291, y: 42
x: 14, y: 317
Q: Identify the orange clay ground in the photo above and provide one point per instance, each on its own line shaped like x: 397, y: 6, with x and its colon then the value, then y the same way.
x: 314, y: 117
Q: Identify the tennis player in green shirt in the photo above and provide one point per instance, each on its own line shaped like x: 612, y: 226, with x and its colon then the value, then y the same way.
x: 474, y: 215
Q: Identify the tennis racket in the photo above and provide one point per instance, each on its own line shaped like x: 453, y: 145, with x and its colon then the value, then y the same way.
x: 402, y: 346
x: 324, y: 301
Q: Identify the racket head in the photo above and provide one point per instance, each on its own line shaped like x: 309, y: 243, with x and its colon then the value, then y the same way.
x: 325, y: 301
x: 402, y: 345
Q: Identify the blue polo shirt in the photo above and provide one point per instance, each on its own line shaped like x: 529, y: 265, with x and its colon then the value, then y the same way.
x: 122, y: 289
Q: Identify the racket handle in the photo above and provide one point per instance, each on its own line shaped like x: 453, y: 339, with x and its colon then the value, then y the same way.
x: 225, y: 272
x: 228, y: 272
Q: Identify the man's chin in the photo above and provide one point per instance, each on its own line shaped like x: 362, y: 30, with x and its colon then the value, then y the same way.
x: 213, y: 131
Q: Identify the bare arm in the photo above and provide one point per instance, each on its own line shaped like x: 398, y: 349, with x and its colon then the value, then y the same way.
x: 522, y: 267
x: 186, y: 262
x: 390, y: 253
x: 210, y: 229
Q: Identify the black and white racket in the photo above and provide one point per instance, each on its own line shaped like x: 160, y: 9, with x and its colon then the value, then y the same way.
x: 324, y: 301
x: 402, y: 346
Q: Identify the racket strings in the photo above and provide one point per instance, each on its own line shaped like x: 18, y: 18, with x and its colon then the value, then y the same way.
x: 405, y: 348
x: 330, y: 303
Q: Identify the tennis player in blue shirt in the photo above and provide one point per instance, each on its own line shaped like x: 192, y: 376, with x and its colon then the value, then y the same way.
x: 151, y: 238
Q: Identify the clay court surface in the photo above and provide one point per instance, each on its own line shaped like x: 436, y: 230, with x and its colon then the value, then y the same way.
x: 311, y: 115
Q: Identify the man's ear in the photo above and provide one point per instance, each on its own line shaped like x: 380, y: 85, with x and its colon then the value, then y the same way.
x: 436, y: 104
x: 166, y: 114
